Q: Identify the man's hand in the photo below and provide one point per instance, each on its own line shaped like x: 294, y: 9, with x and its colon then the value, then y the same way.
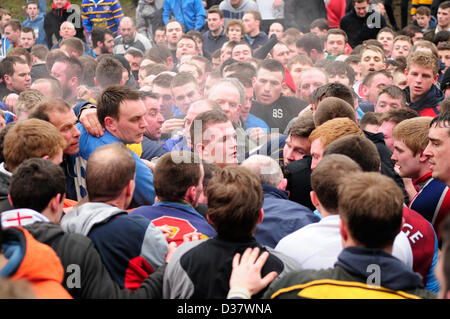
x: 246, y: 274
x: 257, y: 134
x: 171, y: 125
x: 89, y: 120
x: 10, y: 102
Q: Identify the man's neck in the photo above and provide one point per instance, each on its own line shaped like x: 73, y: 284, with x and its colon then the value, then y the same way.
x: 117, y: 202
x: 442, y: 28
x: 217, y: 32
x: 253, y: 33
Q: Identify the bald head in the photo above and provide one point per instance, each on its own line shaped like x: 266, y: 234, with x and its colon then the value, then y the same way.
x: 266, y: 168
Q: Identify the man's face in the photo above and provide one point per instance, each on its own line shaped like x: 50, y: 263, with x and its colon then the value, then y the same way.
x: 308, y: 82
x: 160, y: 37
x: 438, y: 152
x: 316, y: 153
x: 295, y: 149
x: 250, y: 23
x: 228, y: 98
x: 335, y: 44
x: 401, y: 48
x: 236, y: 3
x: 387, y: 40
x: 339, y: 78
x: 20, y: 80
x: 419, y: 79
x: 371, y: 61
x: 215, y: 23
x: 192, y: 113
x: 127, y: 31
x: 154, y: 118
x: 130, y: 125
x: 219, y: 144
x: 267, y: 86
x: 386, y: 128
x: 185, y: 95
x: 407, y: 164
x: 443, y: 17
x: 399, y: 79
x: 277, y: 29
x: 108, y: 44
x: 378, y: 82
x: 66, y: 122
x: 32, y: 10
x: 27, y: 40
x: 234, y: 33
x: 225, y: 53
x: 59, y: 3
x: 174, y: 31
x: 296, y: 69
x: 245, y: 110
x: 59, y: 71
x: 361, y: 8
x: 422, y: 20
x: 444, y: 56
x: 4, y: 19
x: 186, y: 47
x: 241, y: 52
x: 135, y: 62
x: 165, y: 99
x: 281, y: 53
x: 67, y: 31
x: 12, y: 35
x: 386, y: 102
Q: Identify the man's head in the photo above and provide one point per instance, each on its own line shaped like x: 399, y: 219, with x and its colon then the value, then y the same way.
x: 326, y: 179
x: 153, y: 117
x: 335, y: 42
x: 340, y: 72
x: 235, y: 201
x: 310, y: 45
x: 73, y: 46
x: 160, y: 37
x: 443, y: 16
x: 372, y: 59
x: 268, y: 82
x: 371, y: 210
x: 297, y: 65
x: 161, y: 89
x: 241, y: 51
x: 229, y: 93
x: 308, y: 81
x: 186, y: 46
x: 121, y: 111
x: 127, y: 29
x: 68, y: 71
x: 277, y: 29
x: 410, y: 140
x: 185, y: 90
x: 26, y: 102
x: 39, y: 184
x: 108, y: 72
x: 438, y: 148
x: 361, y: 7
x: 67, y: 30
x: 27, y: 38
x: 102, y: 39
x: 12, y: 31
x: 390, y: 119
x: 423, y: 16
x: 196, y: 108
x: 401, y: 47
x: 280, y: 52
x: 215, y: 20
x: 50, y: 87
x: 61, y: 115
x: 16, y: 73
x: 421, y: 74
x: 214, y: 138
x: 174, y: 31
x: 267, y: 169
x: 319, y: 27
x: 234, y: 30
x: 328, y: 132
x: 59, y: 4
x: 32, y: 138
x: 5, y: 16
x: 251, y: 20
x: 386, y: 37
x: 372, y: 82
x: 335, y: 90
x: 297, y: 143
x: 110, y: 175
x: 444, y: 54
x: 332, y: 107
x: 389, y: 97
x: 178, y: 177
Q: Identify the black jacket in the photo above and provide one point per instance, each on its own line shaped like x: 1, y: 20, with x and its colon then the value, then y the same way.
x: 300, y: 13
x: 77, y: 252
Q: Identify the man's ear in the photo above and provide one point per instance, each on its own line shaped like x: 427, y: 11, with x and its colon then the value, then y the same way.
x: 10, y: 200
x: 436, y: 78
x: 314, y: 199
x: 54, y: 203
x: 7, y: 79
x: 110, y: 123
x: 190, y: 194
x: 283, y: 184
x: 261, y: 215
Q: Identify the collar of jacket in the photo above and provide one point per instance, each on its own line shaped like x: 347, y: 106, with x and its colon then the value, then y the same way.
x: 274, y: 192
x: 184, y: 206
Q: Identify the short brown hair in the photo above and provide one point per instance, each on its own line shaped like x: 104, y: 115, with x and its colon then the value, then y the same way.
x: 73, y: 44
x: 110, y: 100
x: 333, y: 129
x: 393, y: 91
x: 47, y: 107
x: 235, y: 200
x: 398, y: 115
x: 302, y: 127
x: 206, y: 119
x: 108, y: 72
x: 371, y: 205
x: 174, y: 173
x: 31, y: 138
x: 414, y: 133
x: 325, y: 179
x: 333, y: 107
x: 423, y: 59
x: 27, y: 100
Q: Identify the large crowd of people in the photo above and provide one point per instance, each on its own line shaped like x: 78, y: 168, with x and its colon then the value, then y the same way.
x: 225, y: 149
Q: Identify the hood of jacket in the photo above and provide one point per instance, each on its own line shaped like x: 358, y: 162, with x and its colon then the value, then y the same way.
x: 394, y: 274
x: 240, y: 8
x: 60, y: 12
x: 431, y: 99
x: 81, y: 219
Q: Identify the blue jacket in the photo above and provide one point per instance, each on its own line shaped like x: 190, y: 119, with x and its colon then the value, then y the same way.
x: 281, y: 217
x: 38, y: 26
x: 144, y: 193
x: 254, y: 121
x: 182, y: 218
x: 101, y: 13
x: 190, y: 13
